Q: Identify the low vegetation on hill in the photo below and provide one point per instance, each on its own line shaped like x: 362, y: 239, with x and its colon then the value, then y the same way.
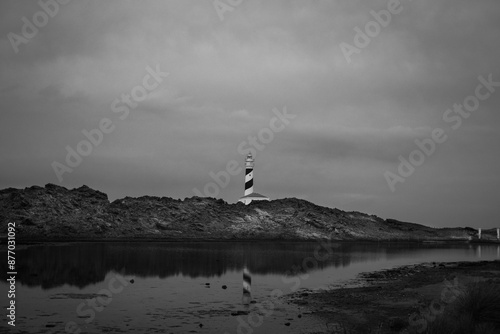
x: 53, y: 212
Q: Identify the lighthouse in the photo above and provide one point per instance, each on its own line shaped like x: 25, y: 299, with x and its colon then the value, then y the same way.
x: 249, y: 195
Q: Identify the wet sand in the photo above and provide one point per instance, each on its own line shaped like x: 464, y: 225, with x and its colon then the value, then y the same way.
x: 399, y: 300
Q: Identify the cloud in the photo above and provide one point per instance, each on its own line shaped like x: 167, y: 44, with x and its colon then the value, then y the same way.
x: 353, y: 122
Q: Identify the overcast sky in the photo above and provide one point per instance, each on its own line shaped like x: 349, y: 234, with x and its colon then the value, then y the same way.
x: 353, y: 119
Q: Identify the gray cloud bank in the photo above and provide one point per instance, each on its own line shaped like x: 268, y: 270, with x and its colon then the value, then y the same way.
x: 225, y: 77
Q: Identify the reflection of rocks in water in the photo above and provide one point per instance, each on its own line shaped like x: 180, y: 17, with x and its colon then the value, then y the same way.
x: 76, y: 296
x: 81, y: 264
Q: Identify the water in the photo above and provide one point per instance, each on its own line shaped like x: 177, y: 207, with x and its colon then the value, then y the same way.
x: 169, y: 293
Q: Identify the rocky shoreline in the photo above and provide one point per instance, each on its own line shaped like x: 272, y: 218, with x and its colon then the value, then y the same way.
x: 406, y: 299
x: 54, y: 213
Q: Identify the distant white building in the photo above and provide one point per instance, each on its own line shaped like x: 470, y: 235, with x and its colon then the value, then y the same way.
x: 249, y: 194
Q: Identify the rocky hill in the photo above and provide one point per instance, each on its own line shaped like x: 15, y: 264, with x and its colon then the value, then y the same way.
x: 56, y: 213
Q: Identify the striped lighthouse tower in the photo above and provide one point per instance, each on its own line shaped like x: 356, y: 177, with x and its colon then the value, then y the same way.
x: 249, y: 174
x: 249, y: 194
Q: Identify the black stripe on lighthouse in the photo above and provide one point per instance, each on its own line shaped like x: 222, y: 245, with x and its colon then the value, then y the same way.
x: 248, y: 184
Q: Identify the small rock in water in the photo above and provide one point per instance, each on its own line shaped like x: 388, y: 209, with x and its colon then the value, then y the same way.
x: 299, y: 316
x: 132, y: 281
x: 239, y: 313
x: 287, y: 324
x: 224, y: 287
x: 201, y: 325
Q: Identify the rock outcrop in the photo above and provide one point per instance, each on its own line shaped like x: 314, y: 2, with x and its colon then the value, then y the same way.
x: 56, y: 213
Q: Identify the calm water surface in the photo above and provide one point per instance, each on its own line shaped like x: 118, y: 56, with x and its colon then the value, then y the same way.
x: 169, y: 293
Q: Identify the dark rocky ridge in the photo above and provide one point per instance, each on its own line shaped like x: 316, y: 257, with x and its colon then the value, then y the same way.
x: 56, y: 213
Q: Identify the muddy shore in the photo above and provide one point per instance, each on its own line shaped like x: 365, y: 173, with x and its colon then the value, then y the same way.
x: 400, y: 300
